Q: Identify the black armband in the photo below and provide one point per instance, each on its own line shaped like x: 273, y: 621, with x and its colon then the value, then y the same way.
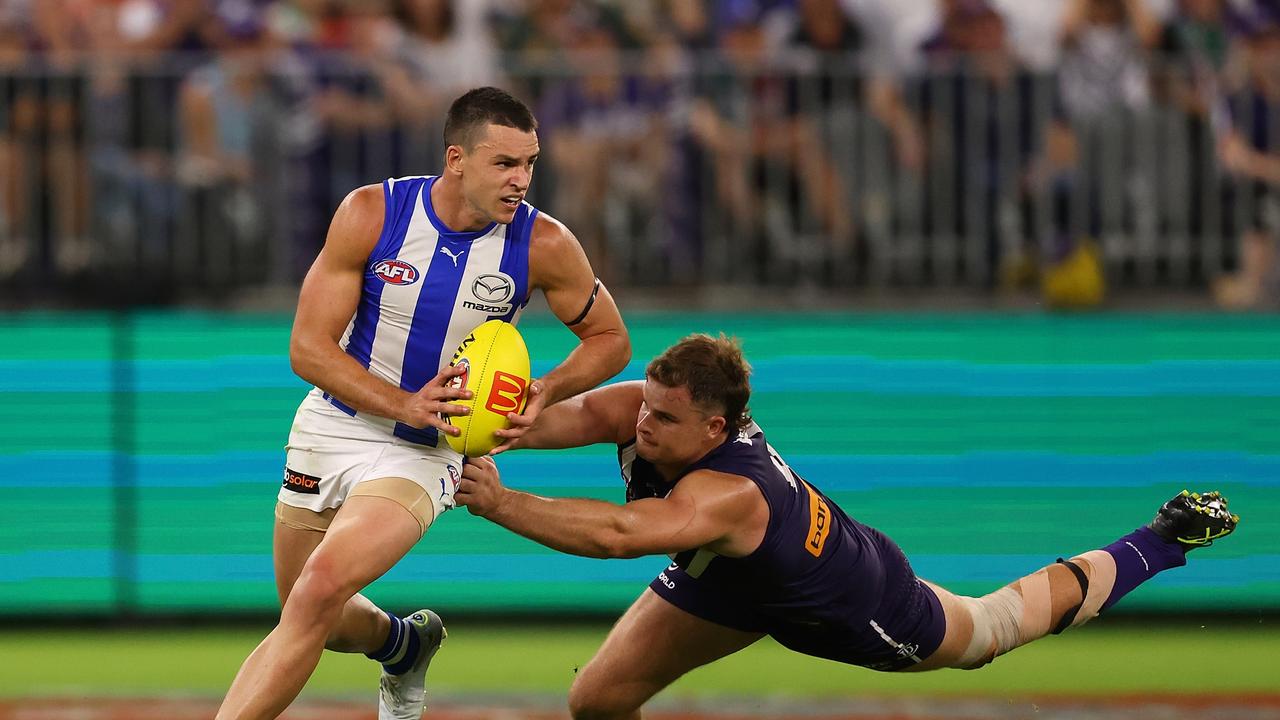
x: 586, y: 309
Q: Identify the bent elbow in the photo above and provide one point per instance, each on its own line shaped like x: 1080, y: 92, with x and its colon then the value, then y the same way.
x: 301, y: 360
x: 621, y: 352
x: 625, y: 355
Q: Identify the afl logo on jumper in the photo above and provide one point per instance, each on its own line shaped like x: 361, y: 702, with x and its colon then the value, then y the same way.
x: 492, y: 293
x: 396, y: 272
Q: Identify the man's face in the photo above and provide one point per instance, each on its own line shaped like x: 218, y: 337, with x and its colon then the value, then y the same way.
x: 497, y: 171
x: 671, y: 429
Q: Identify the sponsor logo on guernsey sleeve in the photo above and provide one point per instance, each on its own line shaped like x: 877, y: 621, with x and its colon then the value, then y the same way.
x: 301, y: 482
x: 819, y: 522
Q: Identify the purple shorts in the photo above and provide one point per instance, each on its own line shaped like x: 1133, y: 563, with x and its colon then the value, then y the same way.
x: 905, y: 627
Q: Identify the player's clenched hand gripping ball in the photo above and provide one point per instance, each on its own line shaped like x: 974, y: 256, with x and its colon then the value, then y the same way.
x: 497, y: 374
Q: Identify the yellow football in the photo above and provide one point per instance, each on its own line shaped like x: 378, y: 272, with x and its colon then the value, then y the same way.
x: 497, y: 374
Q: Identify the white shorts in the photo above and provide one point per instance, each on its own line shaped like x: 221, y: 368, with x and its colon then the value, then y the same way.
x: 330, y: 453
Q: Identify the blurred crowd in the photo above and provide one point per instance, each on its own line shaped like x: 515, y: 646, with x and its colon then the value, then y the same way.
x: 1002, y: 142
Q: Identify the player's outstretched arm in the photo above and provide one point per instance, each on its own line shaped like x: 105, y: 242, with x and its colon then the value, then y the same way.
x: 723, y: 513
x: 559, y: 267
x: 326, y: 305
x: 603, y: 415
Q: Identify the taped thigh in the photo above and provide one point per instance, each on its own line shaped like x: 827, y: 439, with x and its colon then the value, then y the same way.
x: 404, y: 492
x: 300, y: 518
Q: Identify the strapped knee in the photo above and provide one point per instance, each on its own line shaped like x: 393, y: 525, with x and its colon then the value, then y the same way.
x: 996, y: 631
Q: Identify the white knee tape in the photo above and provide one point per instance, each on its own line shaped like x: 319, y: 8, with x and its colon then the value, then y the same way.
x: 996, y: 624
x: 1004, y: 608
x: 981, y: 644
x: 1037, y: 605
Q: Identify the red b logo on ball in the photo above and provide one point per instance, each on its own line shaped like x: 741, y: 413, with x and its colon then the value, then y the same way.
x: 505, y: 394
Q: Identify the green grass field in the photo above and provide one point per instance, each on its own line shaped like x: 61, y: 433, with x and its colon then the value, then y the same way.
x: 1107, y: 658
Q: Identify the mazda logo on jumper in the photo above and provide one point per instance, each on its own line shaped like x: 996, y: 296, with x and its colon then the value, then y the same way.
x: 492, y: 288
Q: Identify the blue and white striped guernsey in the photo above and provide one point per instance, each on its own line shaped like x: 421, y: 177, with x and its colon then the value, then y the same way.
x: 426, y: 287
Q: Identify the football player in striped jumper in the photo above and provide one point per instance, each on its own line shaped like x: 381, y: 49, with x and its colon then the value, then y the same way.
x: 408, y: 269
x: 756, y: 550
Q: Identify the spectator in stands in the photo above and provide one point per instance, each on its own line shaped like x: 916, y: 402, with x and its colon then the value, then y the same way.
x: 607, y: 142
x: 871, y: 45
x: 163, y: 41
x: 154, y: 45
x: 218, y: 101
x: 347, y: 95
x: 1194, y: 48
x: 1035, y: 31
x: 688, y: 24
x: 1250, y: 152
x: 46, y: 121
x: 823, y: 26
x: 664, y: 44
x: 438, y: 50
x: 884, y: 62
x: 1105, y: 89
x: 134, y: 198
x: 830, y: 42
x: 358, y: 84
x: 1195, y: 53
x: 17, y: 127
x: 226, y: 113
x: 769, y: 162
x: 533, y: 37
x: 88, y: 149
x: 157, y: 26
x: 448, y: 47
x: 991, y: 130
x: 1098, y: 188
x: 1103, y: 68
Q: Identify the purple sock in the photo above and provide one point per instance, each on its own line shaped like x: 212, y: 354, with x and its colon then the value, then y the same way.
x: 1139, y: 556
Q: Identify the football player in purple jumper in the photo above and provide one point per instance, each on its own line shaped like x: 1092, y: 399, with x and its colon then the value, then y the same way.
x: 756, y: 550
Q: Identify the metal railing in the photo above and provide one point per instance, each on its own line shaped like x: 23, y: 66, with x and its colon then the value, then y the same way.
x: 169, y: 181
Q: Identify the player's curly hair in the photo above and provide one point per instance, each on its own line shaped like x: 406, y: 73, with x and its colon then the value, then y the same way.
x: 715, y: 372
x: 481, y: 106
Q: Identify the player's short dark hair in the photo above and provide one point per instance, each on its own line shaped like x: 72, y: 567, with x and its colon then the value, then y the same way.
x: 480, y: 107
x: 715, y: 372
